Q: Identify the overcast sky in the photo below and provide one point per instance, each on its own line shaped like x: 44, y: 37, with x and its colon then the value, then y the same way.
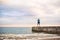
x: 26, y: 12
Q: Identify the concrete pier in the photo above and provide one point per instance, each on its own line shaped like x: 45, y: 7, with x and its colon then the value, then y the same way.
x: 47, y: 29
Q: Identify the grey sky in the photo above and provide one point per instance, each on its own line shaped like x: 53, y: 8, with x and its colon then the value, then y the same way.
x: 28, y: 11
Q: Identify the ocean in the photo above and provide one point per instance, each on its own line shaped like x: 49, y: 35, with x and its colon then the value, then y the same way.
x: 15, y: 30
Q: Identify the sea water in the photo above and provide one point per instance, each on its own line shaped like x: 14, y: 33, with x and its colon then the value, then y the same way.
x: 15, y: 30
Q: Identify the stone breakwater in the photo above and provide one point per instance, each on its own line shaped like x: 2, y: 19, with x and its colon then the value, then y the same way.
x: 29, y: 37
x: 47, y: 29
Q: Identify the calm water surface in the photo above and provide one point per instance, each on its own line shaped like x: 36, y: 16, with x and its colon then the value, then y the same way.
x: 15, y: 30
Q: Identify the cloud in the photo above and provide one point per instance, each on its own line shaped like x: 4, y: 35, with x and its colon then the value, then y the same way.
x: 8, y: 11
x: 55, y: 3
x: 22, y: 10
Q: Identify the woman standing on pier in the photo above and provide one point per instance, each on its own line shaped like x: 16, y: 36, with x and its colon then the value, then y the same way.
x: 38, y: 22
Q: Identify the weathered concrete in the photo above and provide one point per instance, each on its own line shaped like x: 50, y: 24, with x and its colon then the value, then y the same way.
x: 55, y: 29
